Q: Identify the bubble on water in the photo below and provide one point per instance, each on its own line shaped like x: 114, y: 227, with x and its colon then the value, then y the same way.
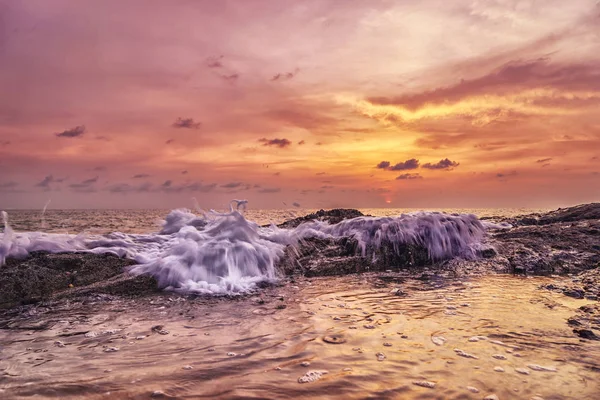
x: 522, y: 371
x: 111, y: 349
x: 312, y: 376
x: 425, y: 384
x: 438, y: 340
x: 465, y: 354
x: 537, y: 367
x: 334, y: 339
x: 477, y: 338
x: 491, y: 397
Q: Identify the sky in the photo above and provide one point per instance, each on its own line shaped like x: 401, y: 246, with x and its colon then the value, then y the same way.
x: 299, y: 103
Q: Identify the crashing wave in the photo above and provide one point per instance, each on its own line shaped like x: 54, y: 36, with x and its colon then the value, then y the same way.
x: 224, y: 253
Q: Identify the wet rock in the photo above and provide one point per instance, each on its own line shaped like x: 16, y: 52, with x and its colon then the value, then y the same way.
x: 160, y: 330
x: 586, y: 334
x: 43, y: 275
x: 332, y: 216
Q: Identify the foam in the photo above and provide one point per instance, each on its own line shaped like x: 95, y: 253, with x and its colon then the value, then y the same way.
x: 224, y: 253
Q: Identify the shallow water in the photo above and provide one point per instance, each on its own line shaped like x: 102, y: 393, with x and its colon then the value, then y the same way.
x: 253, y: 347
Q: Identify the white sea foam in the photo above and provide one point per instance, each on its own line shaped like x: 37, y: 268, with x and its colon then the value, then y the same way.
x: 220, y: 253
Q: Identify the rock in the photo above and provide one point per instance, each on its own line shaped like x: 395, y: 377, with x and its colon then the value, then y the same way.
x: 472, y: 389
x: 43, y: 275
x: 498, y: 369
x: 586, y: 334
x: 522, y: 371
x: 332, y: 216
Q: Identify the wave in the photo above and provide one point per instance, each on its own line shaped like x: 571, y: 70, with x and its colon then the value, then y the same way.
x: 224, y: 253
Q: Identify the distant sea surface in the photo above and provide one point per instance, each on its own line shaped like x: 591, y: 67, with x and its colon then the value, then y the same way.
x: 146, y: 221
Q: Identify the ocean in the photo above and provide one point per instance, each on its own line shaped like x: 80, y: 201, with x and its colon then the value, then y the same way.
x: 146, y: 221
x: 228, y: 326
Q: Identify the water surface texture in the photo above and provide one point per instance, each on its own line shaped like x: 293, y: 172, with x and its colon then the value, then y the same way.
x: 357, y: 337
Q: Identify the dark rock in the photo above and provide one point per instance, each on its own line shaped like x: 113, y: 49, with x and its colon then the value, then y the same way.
x: 42, y: 275
x: 586, y: 334
x: 332, y: 216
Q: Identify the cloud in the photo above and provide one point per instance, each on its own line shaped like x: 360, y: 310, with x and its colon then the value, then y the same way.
x: 214, y: 62
x: 73, y: 132
x: 544, y: 160
x: 408, y: 177
x: 140, y: 176
x: 127, y: 188
x: 232, y: 185
x: 442, y: 164
x: 230, y: 78
x: 187, y: 123
x: 513, y: 76
x: 285, y: 76
x: 45, y: 183
x: 8, y: 186
x: 269, y: 190
x: 281, y: 143
x: 413, y: 163
x: 383, y: 165
x: 501, y: 175
x: 84, y: 186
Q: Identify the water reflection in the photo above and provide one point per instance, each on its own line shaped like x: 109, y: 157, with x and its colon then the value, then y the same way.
x: 369, y: 337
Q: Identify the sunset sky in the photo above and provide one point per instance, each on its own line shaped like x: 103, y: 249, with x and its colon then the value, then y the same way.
x: 321, y: 103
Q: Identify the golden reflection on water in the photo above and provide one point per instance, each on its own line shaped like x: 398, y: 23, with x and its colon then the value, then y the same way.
x: 255, y: 348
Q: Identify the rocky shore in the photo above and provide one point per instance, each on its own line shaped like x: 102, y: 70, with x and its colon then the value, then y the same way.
x: 561, y: 242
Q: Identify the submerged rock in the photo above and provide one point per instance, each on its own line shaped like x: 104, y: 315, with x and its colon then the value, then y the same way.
x: 43, y: 275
